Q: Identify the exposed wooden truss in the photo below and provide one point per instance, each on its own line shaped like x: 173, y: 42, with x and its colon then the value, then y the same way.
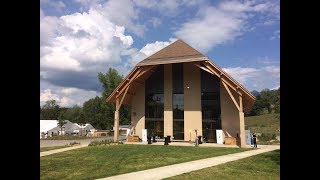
x: 231, y: 95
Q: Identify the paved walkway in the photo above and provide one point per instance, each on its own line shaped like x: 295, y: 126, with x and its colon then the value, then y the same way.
x: 176, y: 169
x: 45, y: 153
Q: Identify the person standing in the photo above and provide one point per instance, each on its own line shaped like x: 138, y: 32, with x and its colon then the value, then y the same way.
x: 255, y: 140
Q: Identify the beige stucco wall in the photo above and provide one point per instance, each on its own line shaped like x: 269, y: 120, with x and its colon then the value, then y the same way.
x: 192, y: 101
x: 138, y: 107
x: 168, y: 114
x: 230, y: 121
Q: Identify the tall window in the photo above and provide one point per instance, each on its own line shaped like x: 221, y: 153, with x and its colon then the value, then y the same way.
x: 178, y: 101
x: 154, y: 103
x: 210, y: 105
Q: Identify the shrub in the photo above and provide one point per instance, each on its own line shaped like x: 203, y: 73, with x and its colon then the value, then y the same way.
x: 74, y: 143
x: 267, y: 137
x: 101, y: 142
x: 93, y: 143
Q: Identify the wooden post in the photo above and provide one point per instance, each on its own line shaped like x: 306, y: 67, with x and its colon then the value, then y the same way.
x: 116, y: 122
x: 242, y: 129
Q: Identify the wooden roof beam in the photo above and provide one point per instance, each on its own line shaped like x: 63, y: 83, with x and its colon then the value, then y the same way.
x: 126, y: 85
x: 220, y: 75
x: 203, y: 68
x: 231, y: 96
x: 123, y: 96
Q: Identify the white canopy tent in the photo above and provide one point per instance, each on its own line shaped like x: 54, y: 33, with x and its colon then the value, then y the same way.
x: 46, y: 125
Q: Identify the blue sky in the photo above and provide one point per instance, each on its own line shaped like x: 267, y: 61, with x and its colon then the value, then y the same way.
x: 79, y: 38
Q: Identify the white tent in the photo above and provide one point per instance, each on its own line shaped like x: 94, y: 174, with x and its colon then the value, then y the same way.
x: 46, y: 125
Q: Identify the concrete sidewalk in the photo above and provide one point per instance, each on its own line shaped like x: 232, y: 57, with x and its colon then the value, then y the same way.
x: 45, y: 153
x: 176, y: 169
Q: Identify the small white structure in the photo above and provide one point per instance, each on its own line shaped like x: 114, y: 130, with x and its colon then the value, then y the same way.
x: 248, y: 137
x: 220, y: 136
x: 51, y: 127
x: 144, y: 135
x: 46, y: 125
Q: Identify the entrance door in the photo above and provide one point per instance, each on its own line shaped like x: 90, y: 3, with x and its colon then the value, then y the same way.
x: 209, y: 131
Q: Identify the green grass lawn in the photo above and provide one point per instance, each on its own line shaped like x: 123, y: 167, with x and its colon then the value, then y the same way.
x: 262, y: 166
x: 52, y: 148
x: 102, y: 161
x: 268, y: 123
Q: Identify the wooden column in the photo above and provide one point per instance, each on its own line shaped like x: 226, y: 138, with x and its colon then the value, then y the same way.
x: 242, y: 129
x: 116, y: 121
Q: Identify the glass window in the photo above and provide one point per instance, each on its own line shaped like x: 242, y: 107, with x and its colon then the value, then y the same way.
x: 178, y: 101
x: 210, y: 105
x: 154, y: 105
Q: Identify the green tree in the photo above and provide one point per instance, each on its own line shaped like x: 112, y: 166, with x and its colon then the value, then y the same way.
x: 268, y: 101
x: 277, y: 102
x: 94, y: 113
x: 72, y: 114
x: 41, y: 116
x: 109, y: 82
x: 61, y: 123
x: 50, y: 110
x: 62, y: 111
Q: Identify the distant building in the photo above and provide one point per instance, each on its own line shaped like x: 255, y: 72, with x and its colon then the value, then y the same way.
x: 123, y: 129
x: 46, y: 125
x: 51, y: 127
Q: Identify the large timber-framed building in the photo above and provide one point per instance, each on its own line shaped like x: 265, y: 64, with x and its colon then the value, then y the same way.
x: 177, y: 90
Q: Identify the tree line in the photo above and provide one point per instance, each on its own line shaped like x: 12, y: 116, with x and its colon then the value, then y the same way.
x: 267, y: 101
x: 95, y: 111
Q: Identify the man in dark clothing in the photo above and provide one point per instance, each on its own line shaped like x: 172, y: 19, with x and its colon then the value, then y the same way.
x: 255, y: 140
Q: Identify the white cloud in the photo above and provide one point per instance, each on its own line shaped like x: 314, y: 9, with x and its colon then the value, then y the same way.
x: 151, y: 48
x: 276, y: 35
x: 74, y: 48
x: 242, y: 74
x: 68, y: 91
x: 72, y: 42
x: 43, y: 74
x: 122, y: 13
x: 57, y: 5
x: 266, y: 60
x: 155, y: 21
x: 256, y: 78
x: 166, y: 7
x: 275, y: 87
x: 169, y: 5
x: 47, y: 95
x: 48, y: 28
x: 274, y: 70
x: 220, y: 24
x: 148, y: 50
x: 66, y: 97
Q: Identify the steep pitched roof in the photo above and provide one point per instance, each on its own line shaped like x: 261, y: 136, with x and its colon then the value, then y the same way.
x: 177, y: 51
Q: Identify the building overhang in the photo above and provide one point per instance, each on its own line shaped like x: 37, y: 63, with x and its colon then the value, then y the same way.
x: 177, y: 52
x: 127, y: 88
